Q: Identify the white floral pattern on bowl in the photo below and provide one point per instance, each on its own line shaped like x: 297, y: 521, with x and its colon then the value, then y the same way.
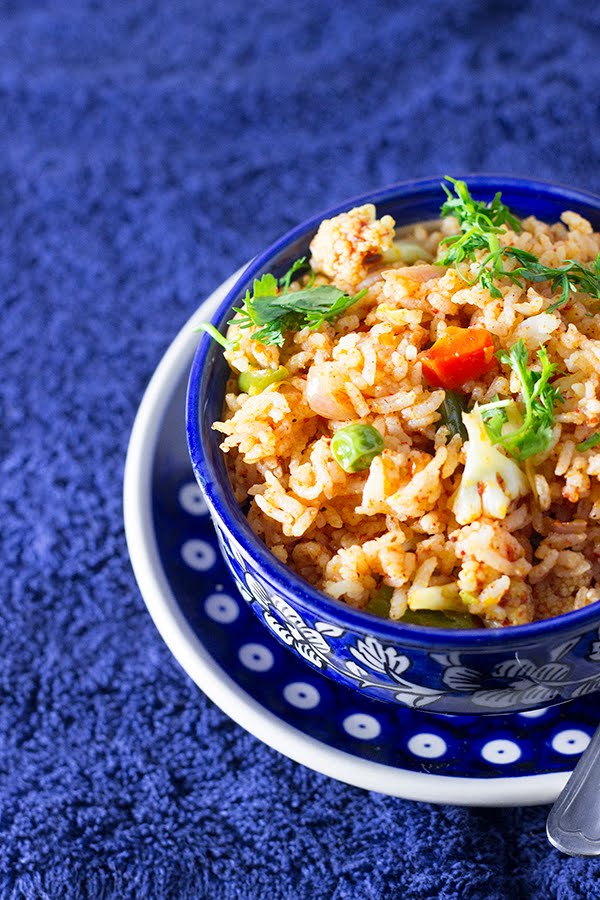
x: 360, y: 660
x: 487, y: 671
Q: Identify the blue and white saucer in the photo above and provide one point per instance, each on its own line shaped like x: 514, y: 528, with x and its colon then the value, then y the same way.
x: 507, y: 760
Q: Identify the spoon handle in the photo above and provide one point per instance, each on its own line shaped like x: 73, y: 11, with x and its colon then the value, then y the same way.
x: 574, y: 822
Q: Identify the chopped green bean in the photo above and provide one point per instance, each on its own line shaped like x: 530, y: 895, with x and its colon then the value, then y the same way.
x: 254, y: 381
x: 451, y: 410
x: 354, y: 447
x: 379, y: 604
x: 592, y: 441
x: 435, y: 618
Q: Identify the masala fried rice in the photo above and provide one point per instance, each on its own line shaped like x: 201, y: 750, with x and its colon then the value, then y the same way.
x: 403, y: 523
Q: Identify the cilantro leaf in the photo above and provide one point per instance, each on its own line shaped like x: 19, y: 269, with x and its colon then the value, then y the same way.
x: 539, y: 398
x: 295, y: 267
x: 480, y: 223
x: 495, y: 418
x: 277, y: 310
x: 476, y: 214
x: 569, y: 277
x: 215, y: 334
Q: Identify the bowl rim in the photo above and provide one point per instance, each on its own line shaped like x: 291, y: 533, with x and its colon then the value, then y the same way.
x: 222, y: 502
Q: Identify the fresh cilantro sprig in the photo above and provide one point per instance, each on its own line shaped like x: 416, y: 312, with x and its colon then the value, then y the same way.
x: 495, y: 417
x: 215, y: 334
x: 286, y: 280
x: 276, y: 310
x: 572, y: 276
x: 539, y: 398
x: 480, y: 224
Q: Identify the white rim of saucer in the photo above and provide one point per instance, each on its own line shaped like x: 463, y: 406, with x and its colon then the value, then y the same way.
x: 207, y: 674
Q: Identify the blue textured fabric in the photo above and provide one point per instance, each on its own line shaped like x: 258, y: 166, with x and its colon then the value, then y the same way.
x: 147, y: 149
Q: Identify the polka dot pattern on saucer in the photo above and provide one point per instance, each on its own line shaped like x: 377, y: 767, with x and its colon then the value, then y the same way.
x: 362, y: 726
x: 502, y: 752
x: 256, y: 657
x: 199, y: 555
x: 301, y: 695
x: 571, y: 741
x: 191, y: 499
x: 427, y: 746
x: 222, y: 608
x: 478, y: 746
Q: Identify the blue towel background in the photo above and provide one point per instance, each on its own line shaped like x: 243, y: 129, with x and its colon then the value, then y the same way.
x: 148, y: 149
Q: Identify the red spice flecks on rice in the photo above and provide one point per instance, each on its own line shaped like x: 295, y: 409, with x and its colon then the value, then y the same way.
x: 396, y: 524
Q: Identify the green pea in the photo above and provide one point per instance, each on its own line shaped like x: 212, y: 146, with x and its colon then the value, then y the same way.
x: 254, y: 381
x: 436, y: 618
x: 451, y: 411
x: 379, y: 603
x: 355, y: 447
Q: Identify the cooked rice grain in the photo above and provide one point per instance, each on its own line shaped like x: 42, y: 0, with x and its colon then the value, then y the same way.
x: 350, y: 533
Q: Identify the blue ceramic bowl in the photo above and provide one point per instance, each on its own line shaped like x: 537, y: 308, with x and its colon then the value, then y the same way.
x: 464, y: 672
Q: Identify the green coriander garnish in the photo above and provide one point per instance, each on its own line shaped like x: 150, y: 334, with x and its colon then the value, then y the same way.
x: 570, y: 277
x: 480, y: 224
x: 276, y: 310
x: 215, y: 334
x: 534, y: 435
x: 297, y: 266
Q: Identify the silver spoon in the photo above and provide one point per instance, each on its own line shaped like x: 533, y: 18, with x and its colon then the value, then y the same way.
x: 574, y: 822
